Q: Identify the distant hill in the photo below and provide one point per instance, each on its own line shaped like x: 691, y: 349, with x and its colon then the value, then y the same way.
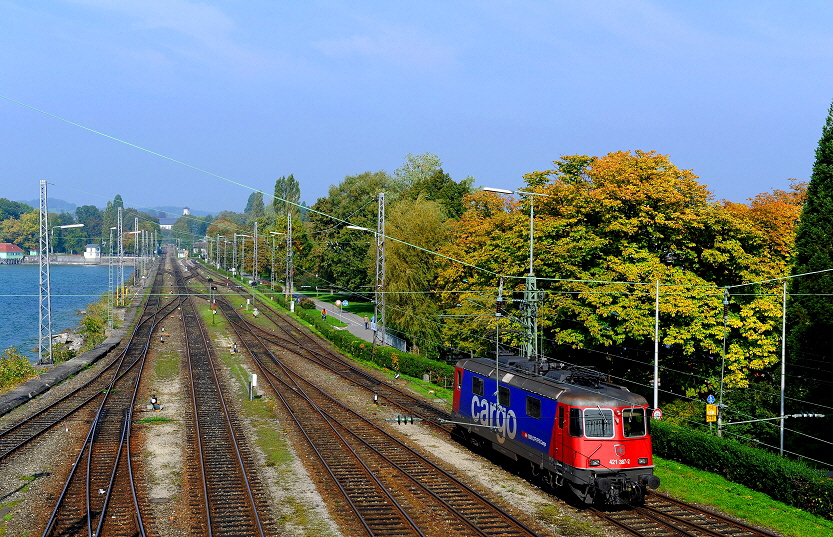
x: 54, y: 205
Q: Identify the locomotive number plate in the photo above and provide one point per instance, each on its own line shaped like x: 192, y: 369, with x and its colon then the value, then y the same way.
x: 619, y: 461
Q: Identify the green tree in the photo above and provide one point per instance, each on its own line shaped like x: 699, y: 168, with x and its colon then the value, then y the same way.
x: 24, y: 231
x: 287, y: 195
x: 416, y: 168
x: 811, y: 315
x: 13, y: 209
x: 110, y: 215
x: 810, y: 311
x: 91, y: 217
x: 182, y: 230
x: 341, y: 256
x: 440, y: 187
x: 254, y: 206
x: 411, y: 275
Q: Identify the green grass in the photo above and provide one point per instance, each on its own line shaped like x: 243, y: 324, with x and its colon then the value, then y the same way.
x: 333, y: 321
x: 274, y: 445
x: 151, y: 420
x: 354, y: 305
x: 696, y: 486
x: 167, y: 365
x: 11, y: 506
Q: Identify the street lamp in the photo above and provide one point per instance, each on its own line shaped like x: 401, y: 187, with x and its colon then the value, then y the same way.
x: 110, y: 276
x: 531, y: 294
x: 272, y: 278
x: 378, y: 295
x: 62, y: 227
x: 242, y: 252
x: 722, y: 362
x: 135, y: 261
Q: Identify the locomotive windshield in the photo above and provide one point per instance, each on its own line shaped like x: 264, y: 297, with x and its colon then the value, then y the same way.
x: 598, y: 423
x: 633, y: 422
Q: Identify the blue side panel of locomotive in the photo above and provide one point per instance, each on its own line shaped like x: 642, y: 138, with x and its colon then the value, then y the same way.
x: 509, y: 422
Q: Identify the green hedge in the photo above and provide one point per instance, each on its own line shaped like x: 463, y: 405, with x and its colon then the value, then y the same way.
x: 404, y: 363
x: 785, y: 480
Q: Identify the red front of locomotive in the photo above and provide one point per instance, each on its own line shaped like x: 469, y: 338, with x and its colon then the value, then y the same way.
x: 605, y: 451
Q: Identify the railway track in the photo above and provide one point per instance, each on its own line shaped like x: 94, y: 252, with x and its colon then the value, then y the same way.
x: 293, y: 339
x: 225, y: 494
x: 99, y: 496
x: 662, y: 516
x: 16, y: 435
x: 391, y: 489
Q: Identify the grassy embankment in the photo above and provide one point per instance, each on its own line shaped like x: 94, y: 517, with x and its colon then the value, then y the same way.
x: 696, y: 486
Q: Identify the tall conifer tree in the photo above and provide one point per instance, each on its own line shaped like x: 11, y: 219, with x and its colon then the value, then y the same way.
x: 810, y: 311
x: 810, y: 315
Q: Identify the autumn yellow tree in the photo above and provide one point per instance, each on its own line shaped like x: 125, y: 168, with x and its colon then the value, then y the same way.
x: 608, y: 230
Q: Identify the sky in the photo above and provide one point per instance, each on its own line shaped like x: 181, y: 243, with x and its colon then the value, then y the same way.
x: 250, y: 91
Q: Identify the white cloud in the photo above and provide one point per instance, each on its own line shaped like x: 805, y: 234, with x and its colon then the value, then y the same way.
x: 182, y: 31
x: 396, y: 45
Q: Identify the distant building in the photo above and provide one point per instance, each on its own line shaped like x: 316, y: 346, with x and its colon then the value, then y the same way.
x: 168, y: 223
x: 10, y: 254
x: 92, y: 252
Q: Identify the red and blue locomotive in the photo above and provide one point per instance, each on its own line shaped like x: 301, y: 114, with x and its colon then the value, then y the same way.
x: 568, y: 424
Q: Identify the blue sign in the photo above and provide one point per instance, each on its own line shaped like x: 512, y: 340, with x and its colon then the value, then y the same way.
x: 710, y: 399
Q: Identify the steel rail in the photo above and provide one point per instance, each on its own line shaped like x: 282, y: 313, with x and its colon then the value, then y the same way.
x: 326, y: 358
x: 406, y: 523
x: 16, y: 436
x: 189, y: 313
x: 355, y: 419
x: 142, y: 331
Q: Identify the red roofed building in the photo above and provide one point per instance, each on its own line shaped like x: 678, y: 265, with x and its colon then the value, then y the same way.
x: 10, y: 253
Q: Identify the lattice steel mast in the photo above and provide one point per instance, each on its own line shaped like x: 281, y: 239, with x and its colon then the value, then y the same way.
x: 45, y: 309
x: 380, y: 271
x: 289, y: 272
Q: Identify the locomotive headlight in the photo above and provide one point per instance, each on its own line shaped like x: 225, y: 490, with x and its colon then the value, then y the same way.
x: 595, y: 462
x: 643, y: 460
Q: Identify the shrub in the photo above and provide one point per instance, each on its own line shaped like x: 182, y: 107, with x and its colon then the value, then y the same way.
x: 785, y: 480
x: 14, y: 369
x: 306, y: 304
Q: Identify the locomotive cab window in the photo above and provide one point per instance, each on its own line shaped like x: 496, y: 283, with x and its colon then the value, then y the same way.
x: 575, y: 422
x: 459, y: 377
x: 503, y: 396
x: 598, y: 423
x: 633, y: 422
x: 533, y: 407
x: 477, y: 386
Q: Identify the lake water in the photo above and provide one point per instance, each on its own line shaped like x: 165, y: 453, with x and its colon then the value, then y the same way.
x: 73, y: 288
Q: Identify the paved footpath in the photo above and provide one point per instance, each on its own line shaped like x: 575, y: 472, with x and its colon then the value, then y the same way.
x: 355, y: 323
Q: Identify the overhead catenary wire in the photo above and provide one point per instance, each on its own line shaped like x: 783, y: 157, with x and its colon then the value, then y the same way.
x: 475, y: 267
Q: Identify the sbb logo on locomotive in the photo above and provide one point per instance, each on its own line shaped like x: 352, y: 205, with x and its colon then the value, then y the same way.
x: 502, y: 421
